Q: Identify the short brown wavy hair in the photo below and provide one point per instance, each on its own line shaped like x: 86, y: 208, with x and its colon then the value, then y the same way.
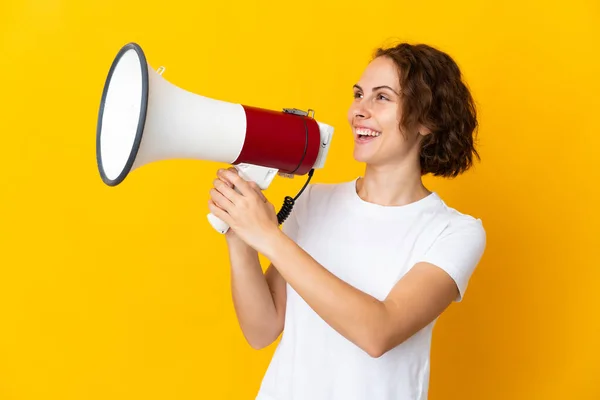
x: 435, y: 96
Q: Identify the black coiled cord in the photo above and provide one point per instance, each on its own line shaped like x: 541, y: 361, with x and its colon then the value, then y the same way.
x: 289, y: 202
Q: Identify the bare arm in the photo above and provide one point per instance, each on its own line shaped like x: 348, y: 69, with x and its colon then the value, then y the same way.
x: 373, y: 325
x: 259, y: 298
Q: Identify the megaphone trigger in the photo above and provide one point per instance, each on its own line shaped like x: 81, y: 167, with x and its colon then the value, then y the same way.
x: 262, y: 176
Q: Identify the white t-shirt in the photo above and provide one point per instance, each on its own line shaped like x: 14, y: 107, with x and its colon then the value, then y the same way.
x: 370, y: 247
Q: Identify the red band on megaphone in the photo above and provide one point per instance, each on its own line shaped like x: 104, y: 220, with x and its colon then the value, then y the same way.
x: 280, y: 140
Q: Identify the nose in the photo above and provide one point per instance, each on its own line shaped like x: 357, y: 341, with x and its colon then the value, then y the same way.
x: 359, y: 110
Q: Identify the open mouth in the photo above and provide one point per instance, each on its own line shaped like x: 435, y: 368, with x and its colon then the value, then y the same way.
x: 366, y: 135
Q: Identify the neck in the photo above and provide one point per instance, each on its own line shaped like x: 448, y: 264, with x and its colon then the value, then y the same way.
x: 391, y: 185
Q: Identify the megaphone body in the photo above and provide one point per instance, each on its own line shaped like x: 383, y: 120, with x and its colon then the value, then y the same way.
x: 144, y: 118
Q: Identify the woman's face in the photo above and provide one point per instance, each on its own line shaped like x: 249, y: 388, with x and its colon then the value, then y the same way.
x: 375, y: 116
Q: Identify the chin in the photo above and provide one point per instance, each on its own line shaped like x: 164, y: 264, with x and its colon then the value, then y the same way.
x: 363, y: 158
x: 373, y: 159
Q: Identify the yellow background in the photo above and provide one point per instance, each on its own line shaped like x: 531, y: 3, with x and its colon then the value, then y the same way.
x: 123, y: 293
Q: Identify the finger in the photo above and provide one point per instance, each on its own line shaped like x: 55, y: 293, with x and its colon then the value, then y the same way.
x: 224, y: 178
x: 258, y: 190
x: 229, y: 192
x: 220, y: 200
x: 219, y: 213
x: 252, y: 184
x: 241, y: 184
x: 225, y: 181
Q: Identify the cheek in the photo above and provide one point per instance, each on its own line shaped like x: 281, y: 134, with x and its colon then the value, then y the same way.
x: 389, y: 119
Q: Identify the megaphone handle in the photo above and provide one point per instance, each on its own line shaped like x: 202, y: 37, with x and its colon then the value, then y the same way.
x: 217, y: 223
x: 262, y: 176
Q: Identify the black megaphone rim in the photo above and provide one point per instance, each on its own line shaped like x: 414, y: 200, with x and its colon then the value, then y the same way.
x: 141, y: 120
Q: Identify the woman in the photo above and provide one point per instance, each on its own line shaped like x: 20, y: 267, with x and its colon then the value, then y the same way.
x: 362, y: 269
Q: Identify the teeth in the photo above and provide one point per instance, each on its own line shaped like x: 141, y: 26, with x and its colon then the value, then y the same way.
x: 368, y: 132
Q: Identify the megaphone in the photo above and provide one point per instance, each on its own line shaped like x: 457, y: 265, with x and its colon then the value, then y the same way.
x: 144, y: 118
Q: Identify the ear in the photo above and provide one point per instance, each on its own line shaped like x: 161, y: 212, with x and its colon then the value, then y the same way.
x: 423, y: 131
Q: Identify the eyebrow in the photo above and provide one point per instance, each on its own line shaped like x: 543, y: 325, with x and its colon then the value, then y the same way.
x: 377, y: 88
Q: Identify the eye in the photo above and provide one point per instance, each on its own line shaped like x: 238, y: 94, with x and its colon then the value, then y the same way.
x: 357, y: 95
x: 381, y: 97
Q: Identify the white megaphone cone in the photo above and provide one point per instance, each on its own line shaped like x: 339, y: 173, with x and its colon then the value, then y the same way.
x: 144, y: 118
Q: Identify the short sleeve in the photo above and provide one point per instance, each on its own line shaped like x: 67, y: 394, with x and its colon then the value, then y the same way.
x: 291, y: 226
x: 458, y: 250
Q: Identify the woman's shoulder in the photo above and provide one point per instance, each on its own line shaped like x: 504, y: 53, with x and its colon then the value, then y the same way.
x: 461, y: 222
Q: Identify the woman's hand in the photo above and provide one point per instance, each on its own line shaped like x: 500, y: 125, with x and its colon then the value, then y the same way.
x: 246, y: 210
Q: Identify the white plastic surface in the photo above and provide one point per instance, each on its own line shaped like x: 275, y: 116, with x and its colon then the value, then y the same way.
x: 121, y: 114
x: 326, y: 132
x: 184, y: 125
x: 179, y: 124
